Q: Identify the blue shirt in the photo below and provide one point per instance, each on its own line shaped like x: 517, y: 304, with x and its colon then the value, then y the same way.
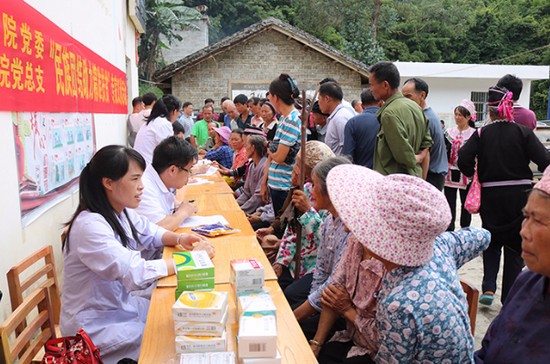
x: 422, y: 314
x: 288, y: 133
x: 223, y: 155
x: 334, y: 239
x: 519, y: 333
x: 438, y: 152
x: 360, y: 137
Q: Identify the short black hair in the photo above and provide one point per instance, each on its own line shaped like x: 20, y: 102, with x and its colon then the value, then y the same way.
x: 254, y: 100
x: 178, y: 128
x: 240, y: 99
x: 149, y: 98
x: 331, y: 89
x: 367, y: 98
x: 223, y: 99
x: 386, y: 71
x: 186, y: 103
x: 209, y: 100
x: 512, y: 84
x: 137, y: 100
x: 419, y: 85
x: 327, y: 79
x: 173, y: 151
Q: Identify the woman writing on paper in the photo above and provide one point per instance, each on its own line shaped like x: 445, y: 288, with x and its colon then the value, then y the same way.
x: 102, y: 260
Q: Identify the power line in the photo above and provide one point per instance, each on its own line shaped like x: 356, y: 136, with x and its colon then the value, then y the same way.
x: 519, y: 54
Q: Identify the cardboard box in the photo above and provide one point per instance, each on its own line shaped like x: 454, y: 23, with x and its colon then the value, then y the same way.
x: 200, y: 344
x: 201, y: 328
x: 255, y: 301
x: 193, y: 265
x: 247, y: 274
x: 275, y: 360
x: 257, y: 336
x: 200, y: 306
x: 208, y: 358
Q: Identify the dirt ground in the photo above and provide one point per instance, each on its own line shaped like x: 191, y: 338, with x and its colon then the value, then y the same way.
x: 472, y: 272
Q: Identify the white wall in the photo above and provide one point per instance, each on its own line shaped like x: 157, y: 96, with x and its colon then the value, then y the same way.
x: 104, y: 27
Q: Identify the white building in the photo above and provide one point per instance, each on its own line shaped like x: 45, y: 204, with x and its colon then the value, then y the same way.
x: 450, y: 83
x: 109, y: 29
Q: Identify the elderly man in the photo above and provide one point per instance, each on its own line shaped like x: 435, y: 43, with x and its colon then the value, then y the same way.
x: 199, y: 133
x: 404, y: 131
x: 330, y: 102
x: 416, y: 89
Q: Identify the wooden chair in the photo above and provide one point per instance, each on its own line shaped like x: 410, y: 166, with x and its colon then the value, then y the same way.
x: 22, y: 280
x: 472, y: 297
x: 39, y: 328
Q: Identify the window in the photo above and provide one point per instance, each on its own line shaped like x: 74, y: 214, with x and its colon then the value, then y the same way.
x: 480, y: 101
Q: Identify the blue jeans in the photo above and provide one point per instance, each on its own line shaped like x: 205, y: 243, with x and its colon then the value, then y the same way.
x: 278, y: 198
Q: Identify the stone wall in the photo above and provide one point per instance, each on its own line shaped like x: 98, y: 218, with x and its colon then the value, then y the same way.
x: 253, y: 64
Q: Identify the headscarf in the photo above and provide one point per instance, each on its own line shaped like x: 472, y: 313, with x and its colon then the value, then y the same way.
x: 501, y: 99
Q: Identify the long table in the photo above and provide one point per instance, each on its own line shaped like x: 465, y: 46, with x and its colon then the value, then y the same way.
x: 158, y: 345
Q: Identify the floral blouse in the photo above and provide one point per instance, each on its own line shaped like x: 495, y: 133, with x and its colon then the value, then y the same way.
x: 422, y: 313
x: 362, y: 279
x: 311, y: 235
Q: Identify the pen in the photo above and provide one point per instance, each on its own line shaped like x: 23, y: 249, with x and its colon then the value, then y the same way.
x: 176, y: 207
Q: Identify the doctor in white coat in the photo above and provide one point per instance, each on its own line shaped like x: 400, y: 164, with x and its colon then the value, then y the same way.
x: 102, y: 260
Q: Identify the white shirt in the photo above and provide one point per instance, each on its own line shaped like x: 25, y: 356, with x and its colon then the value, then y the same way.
x: 150, y: 135
x: 187, y: 122
x: 98, y: 276
x: 157, y: 201
x: 336, y: 124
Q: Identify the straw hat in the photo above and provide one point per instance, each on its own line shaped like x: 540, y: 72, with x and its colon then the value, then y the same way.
x: 397, y: 217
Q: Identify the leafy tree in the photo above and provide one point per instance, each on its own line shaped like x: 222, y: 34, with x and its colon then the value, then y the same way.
x: 163, y: 18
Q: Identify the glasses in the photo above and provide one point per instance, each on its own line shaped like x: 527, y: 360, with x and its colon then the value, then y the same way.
x: 184, y: 169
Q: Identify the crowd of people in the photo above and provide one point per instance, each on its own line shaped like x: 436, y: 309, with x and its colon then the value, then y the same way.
x: 359, y: 227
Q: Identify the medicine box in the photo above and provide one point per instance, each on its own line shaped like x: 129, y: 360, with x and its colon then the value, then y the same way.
x: 275, y: 360
x: 201, y: 328
x: 200, y: 344
x: 247, y: 274
x: 208, y: 358
x: 257, y: 336
x: 200, y: 306
x: 195, y: 285
x: 193, y: 265
x: 255, y: 301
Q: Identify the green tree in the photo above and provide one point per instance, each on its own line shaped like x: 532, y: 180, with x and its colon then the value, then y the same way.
x: 163, y: 18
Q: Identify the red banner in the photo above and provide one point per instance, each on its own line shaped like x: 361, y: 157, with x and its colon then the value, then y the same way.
x: 42, y: 68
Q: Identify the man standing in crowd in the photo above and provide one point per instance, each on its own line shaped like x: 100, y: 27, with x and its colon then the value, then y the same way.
x: 360, y: 132
x: 404, y: 131
x: 320, y: 121
x: 330, y: 102
x: 215, y: 115
x: 186, y: 119
x: 522, y: 115
x: 199, y: 133
x: 416, y: 89
x: 135, y: 121
x: 241, y: 103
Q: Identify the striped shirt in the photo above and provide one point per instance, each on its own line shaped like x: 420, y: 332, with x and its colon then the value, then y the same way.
x: 288, y: 133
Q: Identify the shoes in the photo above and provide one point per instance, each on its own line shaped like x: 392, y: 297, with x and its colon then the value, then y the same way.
x: 487, y: 298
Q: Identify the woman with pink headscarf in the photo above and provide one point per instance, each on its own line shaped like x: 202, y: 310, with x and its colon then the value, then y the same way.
x: 465, y: 115
x: 503, y: 150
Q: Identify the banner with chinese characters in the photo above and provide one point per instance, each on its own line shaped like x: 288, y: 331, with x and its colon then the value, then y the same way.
x: 52, y: 149
x: 42, y: 68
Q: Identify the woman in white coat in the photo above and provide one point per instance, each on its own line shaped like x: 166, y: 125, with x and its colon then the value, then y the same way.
x: 102, y: 260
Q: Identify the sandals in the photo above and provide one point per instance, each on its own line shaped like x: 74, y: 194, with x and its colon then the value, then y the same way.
x: 487, y: 298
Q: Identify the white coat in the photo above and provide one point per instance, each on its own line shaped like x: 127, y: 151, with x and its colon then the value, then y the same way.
x: 99, y: 274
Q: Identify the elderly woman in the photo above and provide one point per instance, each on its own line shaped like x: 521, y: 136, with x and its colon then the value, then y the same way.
x: 309, y: 219
x: 503, y: 150
x: 422, y: 313
x: 221, y: 152
x: 249, y: 199
x: 334, y: 237
x: 518, y: 333
x: 269, y: 120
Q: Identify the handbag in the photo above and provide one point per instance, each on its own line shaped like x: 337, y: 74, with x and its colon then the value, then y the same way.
x: 78, y: 349
x: 473, y: 199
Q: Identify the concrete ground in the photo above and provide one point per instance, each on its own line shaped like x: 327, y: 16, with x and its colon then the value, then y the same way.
x: 472, y: 272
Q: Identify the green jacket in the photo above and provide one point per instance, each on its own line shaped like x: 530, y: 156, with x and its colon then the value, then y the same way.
x: 403, y: 134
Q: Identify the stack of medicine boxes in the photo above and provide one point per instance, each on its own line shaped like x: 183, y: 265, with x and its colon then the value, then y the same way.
x: 257, y: 338
x: 199, y: 316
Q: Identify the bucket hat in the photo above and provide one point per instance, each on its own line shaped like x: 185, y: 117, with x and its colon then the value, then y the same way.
x: 224, y: 132
x: 397, y: 217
